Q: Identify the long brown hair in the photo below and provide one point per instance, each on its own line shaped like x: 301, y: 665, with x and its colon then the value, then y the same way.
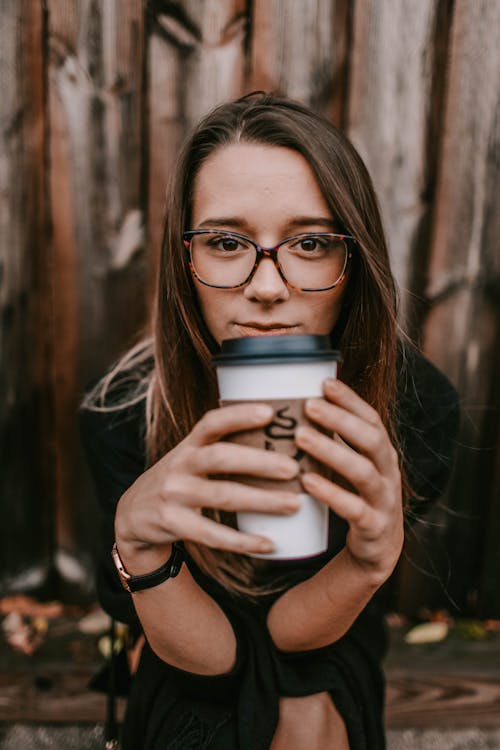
x: 181, y: 385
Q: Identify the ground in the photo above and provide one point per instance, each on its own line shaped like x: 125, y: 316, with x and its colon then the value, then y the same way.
x: 442, y: 695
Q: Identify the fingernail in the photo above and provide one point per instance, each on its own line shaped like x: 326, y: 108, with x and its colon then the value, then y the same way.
x: 304, y: 434
x: 313, y: 405
x: 309, y: 479
x: 293, y: 505
x: 289, y: 470
x: 331, y: 382
x: 266, y: 545
x: 263, y: 411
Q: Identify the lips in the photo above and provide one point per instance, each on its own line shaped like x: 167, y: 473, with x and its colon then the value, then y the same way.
x: 267, y: 329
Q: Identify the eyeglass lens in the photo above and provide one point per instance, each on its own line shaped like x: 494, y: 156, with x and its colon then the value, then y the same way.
x: 309, y: 261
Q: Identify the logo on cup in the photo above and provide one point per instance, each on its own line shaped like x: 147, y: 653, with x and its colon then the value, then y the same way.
x: 282, y: 428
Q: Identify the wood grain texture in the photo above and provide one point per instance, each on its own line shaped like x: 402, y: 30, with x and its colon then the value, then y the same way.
x: 299, y: 49
x: 96, y: 99
x: 392, y: 79
x: 95, y: 110
x: 462, y: 330
x: 196, y: 59
x: 441, y: 701
x: 25, y: 501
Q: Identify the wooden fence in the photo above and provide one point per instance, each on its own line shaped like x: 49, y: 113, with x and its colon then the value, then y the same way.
x: 95, y: 97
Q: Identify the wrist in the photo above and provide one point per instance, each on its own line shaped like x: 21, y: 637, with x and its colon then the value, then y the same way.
x: 373, y: 575
x: 138, y: 582
x: 140, y: 558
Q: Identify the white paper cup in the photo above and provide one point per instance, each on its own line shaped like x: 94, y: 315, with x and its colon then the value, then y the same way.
x: 282, y: 371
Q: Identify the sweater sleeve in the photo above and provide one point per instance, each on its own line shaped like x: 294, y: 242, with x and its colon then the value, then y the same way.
x: 113, y: 445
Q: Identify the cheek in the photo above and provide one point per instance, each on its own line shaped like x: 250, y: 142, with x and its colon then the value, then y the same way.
x: 325, y: 311
x: 213, y: 307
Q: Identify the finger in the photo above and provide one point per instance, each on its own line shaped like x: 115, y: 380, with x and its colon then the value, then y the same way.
x: 340, y: 393
x: 231, y: 496
x: 356, y: 468
x: 372, y: 440
x: 197, y: 528
x: 352, y: 508
x: 231, y: 458
x: 218, y: 423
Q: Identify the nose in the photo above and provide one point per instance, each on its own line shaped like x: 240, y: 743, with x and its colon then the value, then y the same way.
x: 267, y: 285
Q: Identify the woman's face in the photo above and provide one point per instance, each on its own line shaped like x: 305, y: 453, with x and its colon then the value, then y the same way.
x: 267, y: 193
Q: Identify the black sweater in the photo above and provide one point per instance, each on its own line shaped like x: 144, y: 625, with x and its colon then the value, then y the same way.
x: 169, y: 708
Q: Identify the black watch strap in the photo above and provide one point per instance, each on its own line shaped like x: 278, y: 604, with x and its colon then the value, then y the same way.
x: 148, y: 580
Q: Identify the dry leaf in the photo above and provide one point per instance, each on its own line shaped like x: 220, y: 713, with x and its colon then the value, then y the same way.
x: 104, y: 646
x: 427, y: 632
x: 471, y: 630
x: 492, y: 625
x: 26, y: 605
x: 21, y: 635
x: 95, y: 623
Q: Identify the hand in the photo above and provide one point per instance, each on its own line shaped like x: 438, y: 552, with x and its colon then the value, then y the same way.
x: 165, y: 503
x: 371, y: 467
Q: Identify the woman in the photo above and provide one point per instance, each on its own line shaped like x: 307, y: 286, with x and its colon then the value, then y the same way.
x: 239, y: 653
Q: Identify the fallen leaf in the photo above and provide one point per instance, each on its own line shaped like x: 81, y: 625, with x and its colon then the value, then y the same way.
x: 95, y: 623
x: 26, y: 605
x: 21, y: 635
x: 492, y: 625
x: 471, y: 630
x: 427, y: 632
x: 396, y: 620
x: 104, y: 646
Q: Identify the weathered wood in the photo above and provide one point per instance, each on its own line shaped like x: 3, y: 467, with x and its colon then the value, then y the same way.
x: 441, y: 700
x: 196, y: 59
x: 300, y: 50
x: 416, y: 701
x: 25, y: 504
x: 113, y: 64
x: 395, y: 97
x: 52, y: 697
x: 95, y: 110
x: 462, y: 330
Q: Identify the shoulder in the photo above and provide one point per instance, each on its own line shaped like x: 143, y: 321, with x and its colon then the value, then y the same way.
x: 112, y: 421
x: 428, y: 416
x: 425, y: 395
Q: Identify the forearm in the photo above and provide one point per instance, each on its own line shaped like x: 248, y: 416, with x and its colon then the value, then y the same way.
x: 320, y: 610
x: 182, y: 623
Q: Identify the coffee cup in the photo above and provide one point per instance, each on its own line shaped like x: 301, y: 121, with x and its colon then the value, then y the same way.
x: 282, y: 371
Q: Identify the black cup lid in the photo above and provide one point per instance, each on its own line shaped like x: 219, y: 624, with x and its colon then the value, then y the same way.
x: 267, y: 350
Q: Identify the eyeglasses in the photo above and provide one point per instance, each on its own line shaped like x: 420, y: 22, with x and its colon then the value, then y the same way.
x: 312, y: 262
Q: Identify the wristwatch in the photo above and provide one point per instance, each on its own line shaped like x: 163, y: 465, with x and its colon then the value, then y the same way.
x: 138, y: 583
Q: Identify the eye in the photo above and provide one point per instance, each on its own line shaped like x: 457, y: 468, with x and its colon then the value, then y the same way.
x: 229, y: 244
x: 226, y: 243
x: 309, y: 244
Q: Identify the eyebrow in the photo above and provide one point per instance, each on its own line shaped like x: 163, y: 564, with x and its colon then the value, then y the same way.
x: 237, y: 222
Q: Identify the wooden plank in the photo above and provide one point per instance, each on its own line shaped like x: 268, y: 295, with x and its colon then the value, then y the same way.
x: 430, y: 701
x: 196, y: 59
x: 395, y: 99
x: 463, y: 326
x: 300, y: 50
x: 25, y: 501
x: 97, y: 202
x: 452, y: 683
x: 52, y: 697
x: 441, y: 701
